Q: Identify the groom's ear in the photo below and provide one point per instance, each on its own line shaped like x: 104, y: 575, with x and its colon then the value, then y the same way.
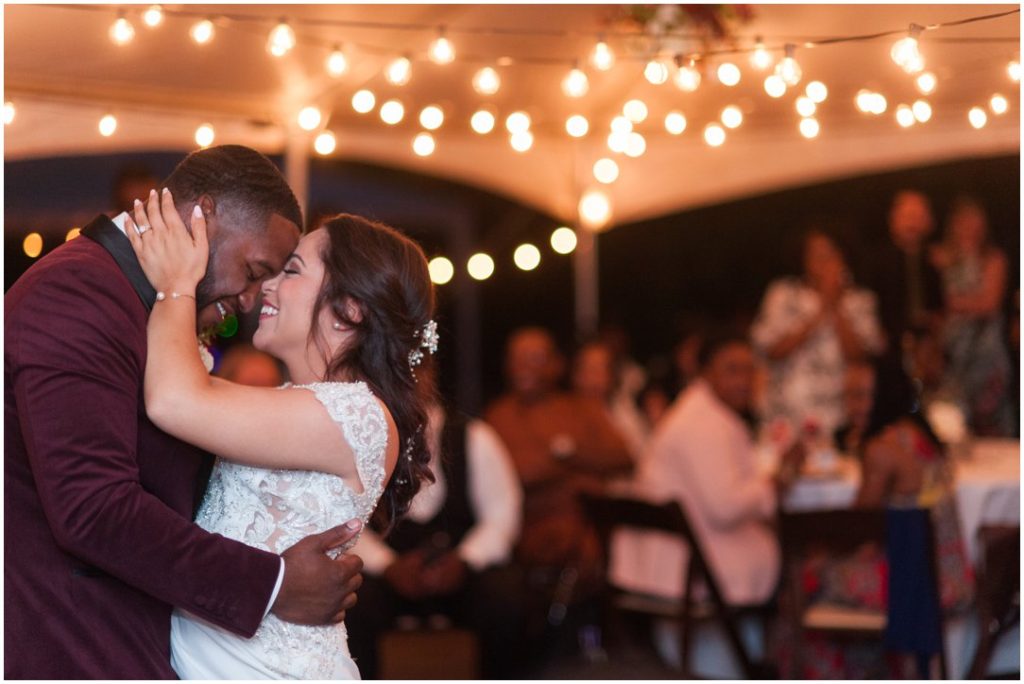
x: 209, y: 208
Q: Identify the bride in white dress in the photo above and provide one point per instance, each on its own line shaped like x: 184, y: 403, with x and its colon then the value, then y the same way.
x: 350, y: 317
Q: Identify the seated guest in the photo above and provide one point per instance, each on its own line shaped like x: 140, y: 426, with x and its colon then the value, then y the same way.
x: 595, y: 377
x: 561, y: 444
x: 450, y: 555
x: 809, y: 329
x: 858, y: 391
x: 247, y: 365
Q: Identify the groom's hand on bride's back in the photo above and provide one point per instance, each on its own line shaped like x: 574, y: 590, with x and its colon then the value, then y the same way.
x: 316, y: 589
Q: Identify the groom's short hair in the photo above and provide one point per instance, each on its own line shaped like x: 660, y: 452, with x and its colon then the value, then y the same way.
x: 245, y: 185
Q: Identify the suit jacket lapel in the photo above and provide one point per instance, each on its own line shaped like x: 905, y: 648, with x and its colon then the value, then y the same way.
x: 110, y: 237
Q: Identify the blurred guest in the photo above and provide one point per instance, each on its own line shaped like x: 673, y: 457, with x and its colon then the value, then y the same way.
x: 247, y: 365
x: 703, y: 455
x: 133, y: 180
x: 908, y: 286
x: 631, y: 377
x: 975, y: 279
x: 858, y: 392
x: 450, y: 555
x: 560, y: 444
x: 809, y: 329
x: 594, y: 377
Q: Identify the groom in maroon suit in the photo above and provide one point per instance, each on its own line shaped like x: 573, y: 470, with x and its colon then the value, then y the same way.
x: 98, y: 502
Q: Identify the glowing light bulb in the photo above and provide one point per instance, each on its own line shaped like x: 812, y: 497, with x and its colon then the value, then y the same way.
x: 688, y: 78
x: 526, y: 256
x: 202, y: 32
x: 392, y: 112
x: 788, y: 69
x: 72, y: 234
x: 621, y: 124
x: 594, y: 209
x: 486, y: 81
x: 775, y: 86
x: 517, y: 122
x: 337, y: 63
x: 636, y: 145
x: 870, y: 102
x: 563, y: 240
x: 878, y: 104
x: 863, y: 100
x: 809, y: 128
x: 817, y: 91
x: 635, y: 111
x: 441, y: 270
x: 153, y: 16
x: 423, y: 145
x: 998, y: 104
x: 577, y: 126
x: 121, y: 31
x: 805, y: 106
x: 1014, y: 71
x: 575, y: 84
x: 731, y: 116
x: 204, y: 135
x: 309, y: 118
x: 442, y: 51
x: 656, y: 72
x: 922, y: 110
x: 926, y: 83
x: 602, y: 58
x: 905, y: 116
x: 281, y: 40
x: 714, y: 135
x: 32, y: 245
x: 906, y: 53
x: 760, y: 58
x: 482, y: 122
x: 431, y: 117
x: 108, y: 124
x: 9, y: 113
x: 977, y: 117
x: 521, y: 141
x: 480, y: 266
x: 606, y: 171
x: 363, y: 101
x: 618, y: 141
x: 399, y: 72
x: 728, y: 74
x: 675, y: 123
x: 325, y: 143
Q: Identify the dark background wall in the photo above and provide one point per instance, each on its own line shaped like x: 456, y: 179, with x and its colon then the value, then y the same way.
x: 714, y: 261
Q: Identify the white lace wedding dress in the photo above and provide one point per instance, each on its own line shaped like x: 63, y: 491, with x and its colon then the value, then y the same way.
x: 271, y: 510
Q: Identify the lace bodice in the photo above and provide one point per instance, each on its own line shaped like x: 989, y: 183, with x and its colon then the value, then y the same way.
x: 273, y: 509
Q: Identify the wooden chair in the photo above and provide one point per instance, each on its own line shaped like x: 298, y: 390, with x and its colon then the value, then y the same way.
x: 610, y: 513
x: 998, y: 592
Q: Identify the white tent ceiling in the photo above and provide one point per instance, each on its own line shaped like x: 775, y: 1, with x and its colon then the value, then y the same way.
x: 63, y: 73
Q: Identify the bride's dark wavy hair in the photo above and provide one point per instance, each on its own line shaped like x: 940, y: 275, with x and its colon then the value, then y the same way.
x: 384, y: 273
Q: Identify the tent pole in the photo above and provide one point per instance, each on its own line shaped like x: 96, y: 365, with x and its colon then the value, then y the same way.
x: 585, y: 280
x: 296, y: 167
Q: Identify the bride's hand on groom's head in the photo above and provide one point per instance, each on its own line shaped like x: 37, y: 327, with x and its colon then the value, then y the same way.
x: 172, y: 259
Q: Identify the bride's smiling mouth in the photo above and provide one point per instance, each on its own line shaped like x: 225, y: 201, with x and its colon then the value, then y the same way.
x: 268, y: 311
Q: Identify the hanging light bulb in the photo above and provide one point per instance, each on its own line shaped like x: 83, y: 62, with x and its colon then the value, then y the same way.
x: 482, y: 121
x: 441, y: 50
x: 309, y: 118
x: 577, y: 126
x: 153, y: 16
x: 977, y: 117
x: 575, y: 84
x: 363, y: 101
x: 202, y: 31
x: 606, y: 170
x: 636, y: 145
x: 905, y: 51
x: 399, y: 71
x: 595, y: 209
x: 392, y: 112
x: 480, y: 266
x: 922, y: 110
x: 1014, y: 70
x: 775, y: 86
x: 788, y: 69
x: 337, y: 62
x: 656, y: 72
x: 204, y: 135
x: 731, y: 116
x: 675, y: 123
x: 878, y: 104
x: 441, y: 269
x: 526, y: 257
x: 431, y: 117
x: 8, y: 113
x: 486, y: 81
x: 621, y: 124
x: 635, y: 111
x: 871, y: 102
x: 325, y: 143
x: 108, y: 124
x: 121, y: 31
x: 817, y: 91
x: 805, y: 106
x: 905, y: 116
x: 423, y: 145
x: 602, y: 58
x: 688, y: 77
x: 809, y: 128
x: 563, y: 240
x: 281, y: 39
x: 760, y: 58
x: 521, y: 141
x: 517, y: 122
x: 72, y: 234
x: 998, y: 104
x: 926, y: 83
x: 32, y: 245
x: 618, y: 141
x: 714, y: 135
x: 728, y: 74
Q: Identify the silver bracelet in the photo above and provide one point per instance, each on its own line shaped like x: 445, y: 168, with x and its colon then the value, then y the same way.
x: 161, y: 296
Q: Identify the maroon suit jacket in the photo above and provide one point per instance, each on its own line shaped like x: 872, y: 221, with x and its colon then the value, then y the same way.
x: 98, y: 502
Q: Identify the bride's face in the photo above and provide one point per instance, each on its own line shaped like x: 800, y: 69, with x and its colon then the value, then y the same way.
x: 288, y: 298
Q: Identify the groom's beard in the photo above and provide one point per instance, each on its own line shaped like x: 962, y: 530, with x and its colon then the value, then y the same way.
x: 205, y: 294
